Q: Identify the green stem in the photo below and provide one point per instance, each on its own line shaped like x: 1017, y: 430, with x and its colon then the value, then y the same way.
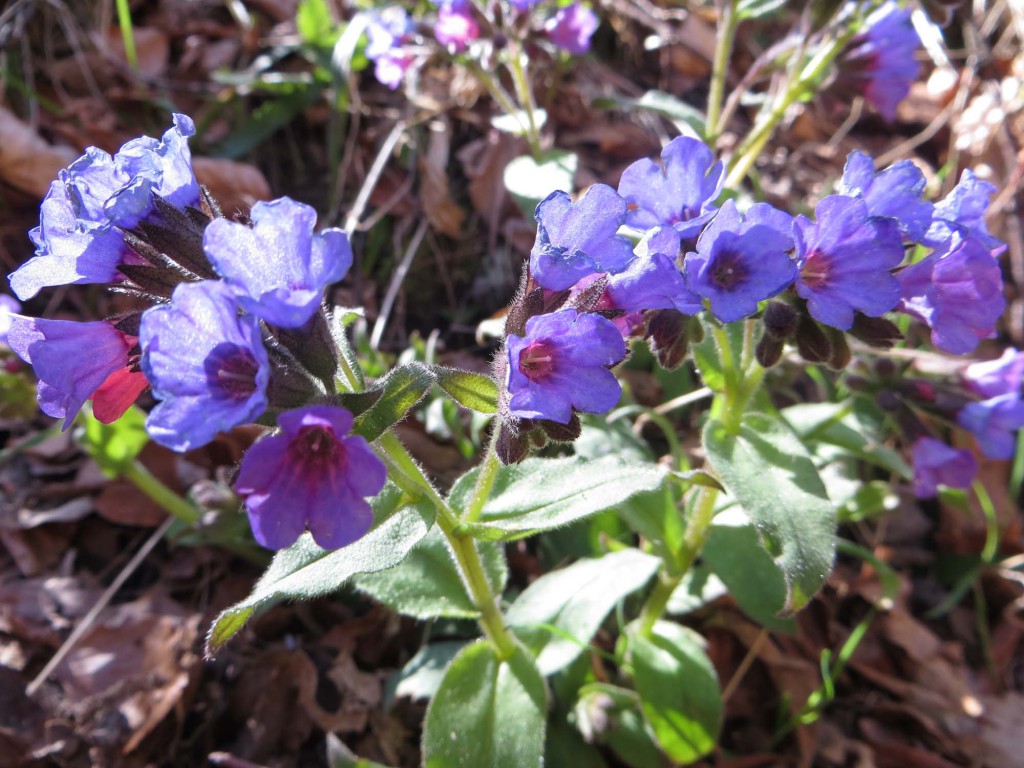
x: 693, y: 542
x: 720, y: 69
x: 124, y: 20
x: 526, y: 99
x: 485, y: 481
x: 168, y: 500
x: 499, y: 94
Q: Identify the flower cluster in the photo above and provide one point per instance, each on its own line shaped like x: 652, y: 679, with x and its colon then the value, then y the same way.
x: 395, y: 46
x: 840, y: 272
x: 229, y: 329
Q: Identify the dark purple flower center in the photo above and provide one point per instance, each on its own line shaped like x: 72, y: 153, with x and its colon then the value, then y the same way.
x: 815, y: 271
x: 231, y: 371
x: 316, y: 448
x: 537, y: 360
x: 728, y: 270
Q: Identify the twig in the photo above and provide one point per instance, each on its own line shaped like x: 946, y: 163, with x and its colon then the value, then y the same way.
x: 352, y: 220
x: 105, y: 598
x: 396, y: 282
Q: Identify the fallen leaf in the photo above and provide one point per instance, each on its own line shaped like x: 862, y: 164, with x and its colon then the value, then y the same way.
x: 27, y: 161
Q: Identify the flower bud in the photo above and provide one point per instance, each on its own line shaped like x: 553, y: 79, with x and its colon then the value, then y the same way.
x: 780, y: 320
x: 811, y: 341
x: 768, y: 351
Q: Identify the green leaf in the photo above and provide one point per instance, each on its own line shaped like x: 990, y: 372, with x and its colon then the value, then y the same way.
x: 678, y: 689
x: 768, y: 471
x: 400, y: 390
x: 114, y: 446
x: 575, y: 601
x: 611, y: 715
x: 530, y: 181
x: 427, y: 585
x: 487, y: 712
x: 518, y: 122
x: 470, y: 390
x: 17, y: 397
x: 422, y: 674
x: 265, y: 120
x: 706, y: 354
x: 564, y: 747
x: 733, y: 552
x: 314, y: 22
x: 541, y: 494
x: 305, y: 571
x: 687, y: 117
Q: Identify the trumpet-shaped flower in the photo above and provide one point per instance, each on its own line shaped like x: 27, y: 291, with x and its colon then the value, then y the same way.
x: 571, y: 28
x: 575, y: 240
x: 278, y: 267
x: 456, y: 26
x: 206, y: 363
x: 994, y: 423
x: 936, y: 463
x: 845, y: 259
x: 993, y: 378
x: 311, y: 475
x: 895, y: 193
x: 957, y: 291
x: 78, y: 239
x: 561, y: 365
x: 962, y: 212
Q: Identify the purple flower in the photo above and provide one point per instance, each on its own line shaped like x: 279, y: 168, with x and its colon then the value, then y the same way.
x: 740, y: 261
x: 523, y: 5
x: 562, y: 364
x: 456, y: 26
x: 314, y: 475
x: 894, y: 193
x: 652, y: 280
x: 8, y: 306
x: 963, y: 212
x: 845, y: 260
x: 936, y: 463
x: 78, y: 240
x: 571, y: 28
x: 679, y: 193
x: 880, y: 62
x: 72, y: 360
x: 957, y: 291
x: 994, y: 423
x: 575, y: 240
x: 278, y: 267
x: 206, y: 363
x: 386, y: 31
x: 993, y: 378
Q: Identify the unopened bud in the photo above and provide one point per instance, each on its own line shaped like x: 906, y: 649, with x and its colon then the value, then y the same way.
x: 768, y: 351
x: 667, y: 331
x: 780, y: 320
x: 841, y: 355
x: 875, y: 331
x: 811, y: 341
x: 513, y: 446
x: 885, y: 368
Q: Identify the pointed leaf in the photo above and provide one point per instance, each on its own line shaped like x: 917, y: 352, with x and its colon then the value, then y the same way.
x: 470, y: 390
x: 541, y: 494
x: 487, y: 712
x: 576, y: 600
x: 768, y: 471
x: 400, y: 390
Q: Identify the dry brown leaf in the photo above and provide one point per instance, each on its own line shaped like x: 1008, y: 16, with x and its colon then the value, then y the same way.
x: 444, y: 214
x: 152, y: 49
x: 27, y: 161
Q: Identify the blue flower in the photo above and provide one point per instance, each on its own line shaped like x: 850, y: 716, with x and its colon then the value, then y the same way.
x: 679, y: 192
x: 278, y: 267
x: 78, y: 238
x: 575, y: 240
x: 652, y: 280
x: 571, y: 28
x: 8, y: 307
x: 456, y: 25
x: 880, y: 61
x: 957, y: 291
x: 206, y: 363
x: 994, y: 423
x: 74, y: 360
x: 386, y: 31
x: 936, y: 463
x: 562, y: 364
x: 895, y: 193
x: 740, y: 261
x: 845, y: 260
x: 1002, y: 376
x: 962, y: 211
x: 314, y: 475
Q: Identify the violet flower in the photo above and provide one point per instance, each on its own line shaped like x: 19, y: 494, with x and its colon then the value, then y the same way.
x: 992, y: 378
x: 278, y: 267
x: 206, y: 363
x: 962, y: 211
x: 845, y: 260
x: 456, y: 25
x: 936, y: 463
x: 386, y: 31
x: 575, y: 240
x: 571, y: 28
x: 994, y: 423
x: 561, y: 365
x: 895, y: 193
x: 957, y: 291
x: 312, y: 474
x: 8, y: 306
x: 652, y: 280
x: 73, y: 361
x: 679, y: 192
x: 742, y: 261
x: 880, y: 63
x: 78, y: 239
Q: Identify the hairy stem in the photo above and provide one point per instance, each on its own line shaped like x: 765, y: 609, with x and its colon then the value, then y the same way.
x: 168, y: 500
x: 720, y: 69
